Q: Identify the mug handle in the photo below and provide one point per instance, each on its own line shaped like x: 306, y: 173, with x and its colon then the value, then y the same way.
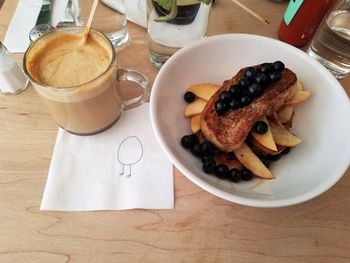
x: 138, y: 78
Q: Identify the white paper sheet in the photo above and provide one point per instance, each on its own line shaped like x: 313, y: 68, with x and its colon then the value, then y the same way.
x: 86, y: 171
x: 23, y: 20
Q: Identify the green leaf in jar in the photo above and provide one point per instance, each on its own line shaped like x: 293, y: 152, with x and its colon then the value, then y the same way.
x: 207, y: 2
x: 171, y: 15
x: 192, y: 2
x: 171, y: 5
x: 166, y: 4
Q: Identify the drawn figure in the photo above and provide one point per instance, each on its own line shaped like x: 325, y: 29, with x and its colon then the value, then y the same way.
x: 130, y: 151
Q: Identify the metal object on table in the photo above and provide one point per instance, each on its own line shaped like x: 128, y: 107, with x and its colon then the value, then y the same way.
x: 39, y: 30
x: 68, y: 19
x: 45, y: 13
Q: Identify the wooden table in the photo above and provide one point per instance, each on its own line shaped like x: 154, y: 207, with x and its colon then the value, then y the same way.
x: 201, y: 228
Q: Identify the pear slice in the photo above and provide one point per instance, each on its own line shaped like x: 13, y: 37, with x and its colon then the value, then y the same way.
x: 281, y: 135
x: 266, y: 139
x: 292, y: 91
x: 195, y: 107
x: 300, y: 86
x: 195, y: 123
x: 249, y: 160
x: 300, y: 96
x: 285, y: 114
x: 204, y: 90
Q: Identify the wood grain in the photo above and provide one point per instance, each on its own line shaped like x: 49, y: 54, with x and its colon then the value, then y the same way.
x: 201, y: 228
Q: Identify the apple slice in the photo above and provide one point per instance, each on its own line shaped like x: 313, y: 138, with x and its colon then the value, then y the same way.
x: 281, y: 135
x: 266, y: 139
x: 195, y: 107
x: 292, y: 91
x: 300, y: 86
x: 248, y: 158
x: 204, y: 90
x: 284, y: 115
x: 300, y: 96
x: 257, y: 147
x: 196, y: 123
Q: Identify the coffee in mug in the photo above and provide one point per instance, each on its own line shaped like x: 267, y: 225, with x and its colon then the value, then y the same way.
x: 79, y: 83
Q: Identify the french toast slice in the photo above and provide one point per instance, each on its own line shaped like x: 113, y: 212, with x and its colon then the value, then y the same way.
x: 228, y: 131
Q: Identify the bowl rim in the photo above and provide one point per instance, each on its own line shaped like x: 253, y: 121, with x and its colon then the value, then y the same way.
x: 318, y: 190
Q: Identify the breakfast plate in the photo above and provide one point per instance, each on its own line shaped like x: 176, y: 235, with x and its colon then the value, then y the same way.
x: 322, y: 122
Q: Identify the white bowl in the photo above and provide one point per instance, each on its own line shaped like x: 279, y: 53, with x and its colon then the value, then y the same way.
x: 322, y: 122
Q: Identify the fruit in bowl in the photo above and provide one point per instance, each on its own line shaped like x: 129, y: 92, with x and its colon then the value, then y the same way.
x: 239, y: 120
x: 309, y: 169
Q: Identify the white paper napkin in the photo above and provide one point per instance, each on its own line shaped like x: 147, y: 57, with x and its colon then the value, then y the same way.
x: 59, y: 9
x: 86, y: 171
x: 136, y: 12
x: 23, y: 20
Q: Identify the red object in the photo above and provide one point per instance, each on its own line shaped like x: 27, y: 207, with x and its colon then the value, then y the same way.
x: 305, y: 22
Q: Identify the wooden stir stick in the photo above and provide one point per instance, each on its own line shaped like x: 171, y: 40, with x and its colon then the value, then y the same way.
x: 89, y: 22
x: 245, y: 8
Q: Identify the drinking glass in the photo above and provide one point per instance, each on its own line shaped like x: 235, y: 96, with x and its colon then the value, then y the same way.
x: 172, y: 24
x: 109, y: 19
x: 331, y: 43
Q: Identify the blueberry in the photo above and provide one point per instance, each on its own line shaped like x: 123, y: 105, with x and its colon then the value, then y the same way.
x: 250, y: 72
x: 225, y: 96
x: 187, y: 141
x: 286, y: 150
x: 196, y: 149
x: 246, y: 175
x: 266, y: 67
x: 209, y: 167
x: 207, y: 159
x: 235, y: 175
x: 246, y: 100
x: 278, y: 66
x: 275, y: 76
x: 254, y: 90
x: 274, y: 157
x: 209, y: 164
x: 221, y: 107
x: 207, y: 148
x: 261, y: 78
x: 266, y: 161
x: 235, y: 104
x: 189, y: 97
x: 261, y: 127
x: 221, y: 171
x: 194, y: 137
x: 244, y: 82
x: 235, y: 90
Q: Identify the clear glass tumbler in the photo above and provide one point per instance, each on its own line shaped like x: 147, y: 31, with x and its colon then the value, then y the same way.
x: 172, y: 24
x: 331, y: 43
x: 109, y: 19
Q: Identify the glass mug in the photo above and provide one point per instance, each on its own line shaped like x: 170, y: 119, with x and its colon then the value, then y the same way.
x: 90, y: 107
